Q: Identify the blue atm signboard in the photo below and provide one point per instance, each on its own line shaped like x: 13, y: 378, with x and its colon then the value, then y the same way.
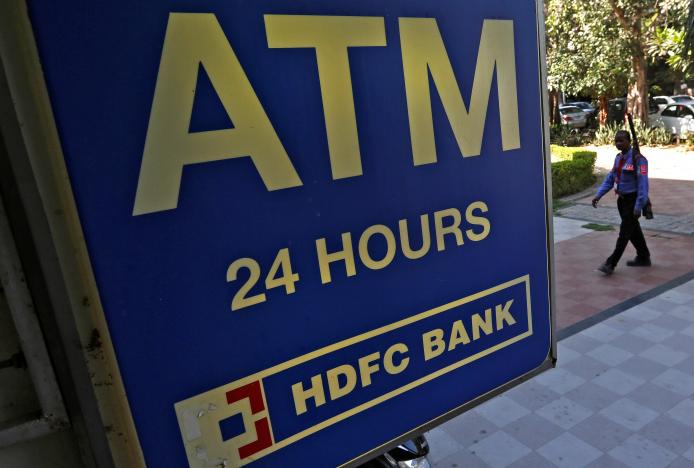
x: 315, y: 226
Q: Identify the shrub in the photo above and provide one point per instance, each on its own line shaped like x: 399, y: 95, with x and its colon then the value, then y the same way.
x: 646, y: 135
x: 573, y: 172
x: 605, y: 134
x: 563, y: 135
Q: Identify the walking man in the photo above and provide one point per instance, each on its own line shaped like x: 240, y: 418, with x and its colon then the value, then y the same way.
x: 629, y: 176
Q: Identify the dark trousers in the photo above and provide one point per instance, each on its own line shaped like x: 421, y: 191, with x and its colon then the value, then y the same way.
x: 629, y: 230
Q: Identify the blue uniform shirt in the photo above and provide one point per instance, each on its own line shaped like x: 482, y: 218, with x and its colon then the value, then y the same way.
x: 634, y: 178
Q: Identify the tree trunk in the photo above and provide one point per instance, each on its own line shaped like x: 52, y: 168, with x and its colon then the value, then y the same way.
x: 602, y: 110
x: 554, y: 107
x: 637, y: 99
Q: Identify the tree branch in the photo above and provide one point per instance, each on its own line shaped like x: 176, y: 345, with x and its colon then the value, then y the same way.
x: 621, y: 17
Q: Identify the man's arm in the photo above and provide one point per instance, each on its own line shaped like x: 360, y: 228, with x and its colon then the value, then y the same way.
x: 604, y: 187
x: 642, y: 181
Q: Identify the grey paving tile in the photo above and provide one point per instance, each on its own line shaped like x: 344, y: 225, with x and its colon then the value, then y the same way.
x: 601, y: 433
x: 681, y: 342
x: 502, y: 410
x: 564, y: 413
x: 566, y: 355
x: 469, y: 428
x: 622, y: 322
x: 606, y: 461
x: 652, y: 332
x: 629, y: 414
x: 533, y: 430
x: 677, y: 296
x: 659, y: 303
x: 686, y: 366
x: 687, y: 287
x: 631, y: 343
x: 680, y: 462
x: 642, y: 368
x: 580, y: 343
x: 689, y: 454
x: 560, y: 380
x: 676, y: 381
x: 610, y: 355
x: 532, y: 460
x: 568, y: 451
x: 683, y: 312
x: 587, y: 367
x: 671, y: 322
x: 441, y: 444
x: 461, y: 459
x: 669, y: 433
x: 499, y: 450
x: 591, y: 396
x: 532, y: 395
x: 684, y: 413
x: 602, y: 332
x: 665, y: 355
x: 642, y: 313
x: 655, y: 397
x: 618, y: 381
x: 639, y: 452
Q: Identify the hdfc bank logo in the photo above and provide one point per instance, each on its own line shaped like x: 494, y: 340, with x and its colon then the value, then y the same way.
x: 227, y: 426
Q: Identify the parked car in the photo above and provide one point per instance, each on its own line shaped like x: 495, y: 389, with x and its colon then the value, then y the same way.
x: 616, y: 109
x: 682, y: 98
x: 663, y: 101
x: 573, y: 116
x: 591, y: 112
x: 677, y: 118
x: 584, y: 106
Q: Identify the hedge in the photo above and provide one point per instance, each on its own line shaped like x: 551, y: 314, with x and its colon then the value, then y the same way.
x: 573, y: 172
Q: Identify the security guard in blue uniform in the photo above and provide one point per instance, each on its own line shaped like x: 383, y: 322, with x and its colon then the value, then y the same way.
x: 630, y: 176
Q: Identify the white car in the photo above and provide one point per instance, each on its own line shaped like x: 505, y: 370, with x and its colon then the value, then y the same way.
x: 663, y: 101
x: 682, y: 99
x: 573, y: 116
x: 677, y: 118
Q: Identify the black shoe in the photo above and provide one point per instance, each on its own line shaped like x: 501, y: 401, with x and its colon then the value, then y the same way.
x: 640, y: 261
x: 606, y: 268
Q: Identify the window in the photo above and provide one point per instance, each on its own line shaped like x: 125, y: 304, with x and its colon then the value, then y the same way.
x: 670, y: 112
x: 684, y: 111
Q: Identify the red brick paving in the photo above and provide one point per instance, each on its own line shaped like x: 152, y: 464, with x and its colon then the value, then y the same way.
x: 583, y: 292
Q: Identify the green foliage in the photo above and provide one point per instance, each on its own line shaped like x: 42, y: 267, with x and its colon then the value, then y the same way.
x: 585, y: 48
x: 605, y: 134
x: 652, y: 136
x: 574, y: 172
x: 668, y: 44
x: 563, y: 153
x: 647, y: 136
x: 595, y: 47
x: 565, y: 136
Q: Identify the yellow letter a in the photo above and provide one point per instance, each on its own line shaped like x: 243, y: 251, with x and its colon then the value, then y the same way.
x: 194, y: 39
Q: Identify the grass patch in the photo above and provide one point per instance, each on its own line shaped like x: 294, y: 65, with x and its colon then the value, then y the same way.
x: 598, y: 227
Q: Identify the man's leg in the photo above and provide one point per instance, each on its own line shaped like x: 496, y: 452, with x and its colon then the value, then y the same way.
x: 626, y: 229
x: 639, y: 242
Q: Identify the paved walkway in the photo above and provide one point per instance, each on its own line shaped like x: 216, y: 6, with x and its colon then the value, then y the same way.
x: 621, y: 396
x: 623, y: 391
